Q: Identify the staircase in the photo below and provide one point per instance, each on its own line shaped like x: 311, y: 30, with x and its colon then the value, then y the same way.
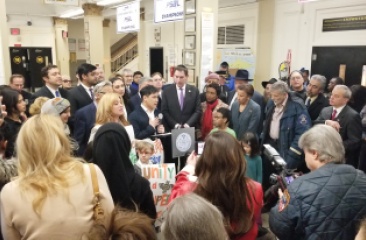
x: 124, y: 53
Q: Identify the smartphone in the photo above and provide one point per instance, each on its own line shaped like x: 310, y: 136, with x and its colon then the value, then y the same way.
x: 199, y: 147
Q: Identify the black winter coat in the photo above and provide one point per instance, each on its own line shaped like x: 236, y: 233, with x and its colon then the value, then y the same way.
x: 327, y: 203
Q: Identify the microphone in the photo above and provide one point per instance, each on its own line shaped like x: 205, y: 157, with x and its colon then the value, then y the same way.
x: 160, y: 116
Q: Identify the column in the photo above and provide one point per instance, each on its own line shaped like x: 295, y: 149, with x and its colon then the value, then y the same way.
x: 264, y: 54
x: 206, y: 38
x: 5, y: 69
x: 107, y: 48
x: 62, y: 46
x: 93, y: 31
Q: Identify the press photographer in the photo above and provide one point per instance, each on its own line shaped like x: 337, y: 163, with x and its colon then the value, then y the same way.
x: 326, y: 203
x: 279, y: 180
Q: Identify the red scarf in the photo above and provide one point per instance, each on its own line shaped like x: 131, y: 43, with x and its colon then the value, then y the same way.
x: 207, y: 121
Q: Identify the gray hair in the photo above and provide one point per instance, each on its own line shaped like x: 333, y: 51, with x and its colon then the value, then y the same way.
x: 321, y: 79
x: 280, y: 86
x: 192, y: 217
x: 97, y: 88
x: 145, y: 79
x: 125, y: 71
x: 326, y: 141
x: 346, y: 91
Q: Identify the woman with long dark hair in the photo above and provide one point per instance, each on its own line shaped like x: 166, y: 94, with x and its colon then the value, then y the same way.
x: 219, y: 177
x: 15, y: 107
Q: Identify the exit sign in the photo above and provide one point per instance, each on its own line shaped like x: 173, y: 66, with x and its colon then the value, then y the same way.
x: 15, y: 31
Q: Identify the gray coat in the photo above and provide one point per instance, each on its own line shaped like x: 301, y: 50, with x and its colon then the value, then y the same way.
x: 248, y: 120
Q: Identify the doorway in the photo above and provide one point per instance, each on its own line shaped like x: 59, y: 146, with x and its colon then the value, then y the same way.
x: 157, y: 60
x: 326, y: 61
x: 29, y: 62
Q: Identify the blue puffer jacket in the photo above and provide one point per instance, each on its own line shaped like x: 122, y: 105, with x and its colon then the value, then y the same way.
x: 327, y: 203
x: 294, y: 122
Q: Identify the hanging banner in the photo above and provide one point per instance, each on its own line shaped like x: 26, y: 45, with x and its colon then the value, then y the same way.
x: 63, y: 2
x: 237, y: 59
x: 128, y: 17
x: 168, y: 10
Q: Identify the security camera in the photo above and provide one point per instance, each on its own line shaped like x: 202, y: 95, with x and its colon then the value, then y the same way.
x: 29, y: 23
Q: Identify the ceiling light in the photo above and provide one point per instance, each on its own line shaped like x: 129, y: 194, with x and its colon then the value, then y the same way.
x: 110, y: 2
x: 73, y: 13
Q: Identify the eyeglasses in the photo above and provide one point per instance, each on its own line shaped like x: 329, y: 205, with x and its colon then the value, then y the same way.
x: 66, y: 81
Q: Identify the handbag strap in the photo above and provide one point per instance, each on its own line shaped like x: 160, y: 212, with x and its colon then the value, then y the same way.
x: 94, y: 179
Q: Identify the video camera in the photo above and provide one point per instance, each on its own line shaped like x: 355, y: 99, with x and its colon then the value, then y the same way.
x: 281, y: 180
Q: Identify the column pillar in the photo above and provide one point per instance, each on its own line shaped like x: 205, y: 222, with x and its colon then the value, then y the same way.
x: 5, y: 69
x: 107, y: 48
x: 93, y: 31
x: 206, y: 38
x: 264, y: 55
x: 62, y: 46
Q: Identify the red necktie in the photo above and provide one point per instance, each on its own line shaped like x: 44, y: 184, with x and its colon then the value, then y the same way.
x: 334, y: 114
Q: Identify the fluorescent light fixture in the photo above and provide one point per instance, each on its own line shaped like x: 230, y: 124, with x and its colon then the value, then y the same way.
x: 72, y: 13
x: 110, y: 2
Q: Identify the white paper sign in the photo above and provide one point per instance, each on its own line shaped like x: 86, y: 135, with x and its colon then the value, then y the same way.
x: 162, y: 180
x: 63, y: 2
x: 168, y: 10
x: 128, y: 17
x: 207, y: 43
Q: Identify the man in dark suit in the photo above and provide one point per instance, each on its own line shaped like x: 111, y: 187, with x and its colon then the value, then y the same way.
x: 85, y: 116
x: 53, y: 80
x: 82, y: 95
x: 144, y: 118
x: 180, y: 107
x: 345, y: 120
x: 315, y: 100
x: 135, y: 100
x: 17, y: 83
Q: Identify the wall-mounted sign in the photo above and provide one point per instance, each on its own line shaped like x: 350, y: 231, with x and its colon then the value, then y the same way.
x: 344, y: 23
x: 63, y: 2
x: 15, y: 31
x: 168, y: 10
x: 128, y: 17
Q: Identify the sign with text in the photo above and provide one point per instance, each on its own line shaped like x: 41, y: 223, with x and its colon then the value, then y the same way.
x: 63, y: 2
x: 344, y: 23
x: 168, y: 10
x: 162, y: 180
x: 128, y: 17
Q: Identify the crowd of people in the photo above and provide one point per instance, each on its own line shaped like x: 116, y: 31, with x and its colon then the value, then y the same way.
x: 72, y: 156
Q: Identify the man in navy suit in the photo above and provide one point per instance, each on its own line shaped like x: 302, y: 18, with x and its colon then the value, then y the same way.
x: 52, y: 77
x: 180, y: 107
x: 85, y: 116
x: 144, y: 118
x: 82, y: 95
x: 135, y: 100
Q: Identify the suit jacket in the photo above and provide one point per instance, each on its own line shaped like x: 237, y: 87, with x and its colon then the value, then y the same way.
x: 45, y: 92
x: 84, y: 122
x: 135, y: 101
x: 351, y: 130
x: 248, y: 120
x: 78, y: 98
x: 170, y: 107
x: 315, y: 108
x: 140, y: 123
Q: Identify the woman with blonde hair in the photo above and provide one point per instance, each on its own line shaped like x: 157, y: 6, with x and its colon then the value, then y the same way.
x: 53, y: 197
x: 110, y: 109
x: 36, y: 106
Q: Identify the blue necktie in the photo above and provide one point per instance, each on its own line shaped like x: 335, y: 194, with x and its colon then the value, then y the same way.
x: 57, y: 93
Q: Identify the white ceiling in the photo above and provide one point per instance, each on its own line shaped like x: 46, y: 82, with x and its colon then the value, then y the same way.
x: 39, y: 8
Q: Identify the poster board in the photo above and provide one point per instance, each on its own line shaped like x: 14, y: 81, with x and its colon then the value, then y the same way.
x: 162, y: 180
